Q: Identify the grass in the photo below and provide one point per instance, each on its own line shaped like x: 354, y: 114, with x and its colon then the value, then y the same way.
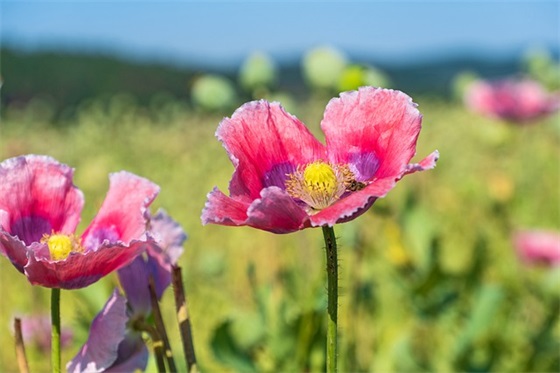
x: 429, y: 278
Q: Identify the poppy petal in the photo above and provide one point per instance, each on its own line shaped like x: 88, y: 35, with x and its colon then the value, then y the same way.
x: 122, y: 216
x: 37, y: 196
x: 79, y: 270
x: 276, y: 212
x: 374, y: 130
x: 265, y: 143
x: 107, y: 331
x: 354, y: 204
x: 224, y: 210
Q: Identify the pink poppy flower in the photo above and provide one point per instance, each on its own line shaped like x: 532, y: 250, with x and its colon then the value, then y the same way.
x: 515, y: 100
x: 286, y: 180
x: 538, y: 246
x: 40, y: 209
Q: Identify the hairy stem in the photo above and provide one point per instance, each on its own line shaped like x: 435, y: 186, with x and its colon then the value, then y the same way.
x: 332, y: 295
x: 55, y: 336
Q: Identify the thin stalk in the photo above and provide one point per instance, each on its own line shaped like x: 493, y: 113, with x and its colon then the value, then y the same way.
x: 55, y: 334
x: 158, y: 319
x: 20, y: 347
x: 332, y: 295
x: 157, y: 344
x: 183, y: 319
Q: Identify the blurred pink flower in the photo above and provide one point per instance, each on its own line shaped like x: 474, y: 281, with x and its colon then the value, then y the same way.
x: 516, y: 100
x: 538, y: 246
x: 40, y: 209
x: 286, y: 180
x: 36, y: 330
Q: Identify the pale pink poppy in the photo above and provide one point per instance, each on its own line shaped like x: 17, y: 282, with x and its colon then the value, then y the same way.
x: 538, y: 246
x: 40, y: 209
x: 517, y: 100
x: 286, y: 180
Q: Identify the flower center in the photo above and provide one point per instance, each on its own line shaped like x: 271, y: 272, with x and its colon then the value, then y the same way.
x: 319, y: 184
x: 61, y: 245
x: 320, y: 178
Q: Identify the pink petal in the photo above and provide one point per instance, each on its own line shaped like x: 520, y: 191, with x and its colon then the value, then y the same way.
x: 265, y: 143
x: 224, y: 210
x: 37, y: 196
x: 425, y: 164
x: 372, y: 129
x: 81, y: 269
x: 354, y: 204
x: 122, y: 215
x: 14, y: 249
x: 276, y: 212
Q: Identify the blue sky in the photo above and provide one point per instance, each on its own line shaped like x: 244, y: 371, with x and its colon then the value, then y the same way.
x: 222, y: 33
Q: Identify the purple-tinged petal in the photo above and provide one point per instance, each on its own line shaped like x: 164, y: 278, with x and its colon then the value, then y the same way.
x: 134, y: 282
x: 353, y: 205
x: 132, y: 355
x: 14, y: 249
x: 106, y: 333
x: 79, y: 270
x: 224, y: 210
x: 276, y: 212
x: 425, y: 164
x: 264, y: 143
x: 157, y: 263
x: 37, y: 196
x: 168, y: 234
x: 122, y: 216
x: 538, y: 246
x: 134, y: 278
x: 372, y: 129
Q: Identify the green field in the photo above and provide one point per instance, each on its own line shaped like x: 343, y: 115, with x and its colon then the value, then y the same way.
x: 429, y: 278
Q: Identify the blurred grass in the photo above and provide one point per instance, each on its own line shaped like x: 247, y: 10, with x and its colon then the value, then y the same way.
x: 429, y: 278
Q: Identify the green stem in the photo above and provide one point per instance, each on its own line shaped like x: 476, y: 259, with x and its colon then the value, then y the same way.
x: 55, y: 322
x: 332, y: 294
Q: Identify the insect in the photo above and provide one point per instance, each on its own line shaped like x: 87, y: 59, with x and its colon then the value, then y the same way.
x: 354, y: 185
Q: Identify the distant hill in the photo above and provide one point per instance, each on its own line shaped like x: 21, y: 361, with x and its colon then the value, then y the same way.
x: 66, y: 79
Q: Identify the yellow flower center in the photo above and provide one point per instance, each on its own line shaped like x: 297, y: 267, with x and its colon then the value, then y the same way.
x: 319, y: 184
x: 61, y: 245
x: 320, y: 178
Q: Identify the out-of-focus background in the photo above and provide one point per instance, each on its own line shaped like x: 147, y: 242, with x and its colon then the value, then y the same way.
x: 431, y: 276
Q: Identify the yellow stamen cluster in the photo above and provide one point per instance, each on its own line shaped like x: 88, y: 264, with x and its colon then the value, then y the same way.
x: 319, y: 184
x: 61, y: 245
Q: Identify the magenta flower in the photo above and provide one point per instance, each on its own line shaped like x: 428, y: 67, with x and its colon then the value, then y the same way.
x: 514, y: 100
x: 40, y: 209
x: 114, y: 344
x: 286, y: 180
x: 538, y: 246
